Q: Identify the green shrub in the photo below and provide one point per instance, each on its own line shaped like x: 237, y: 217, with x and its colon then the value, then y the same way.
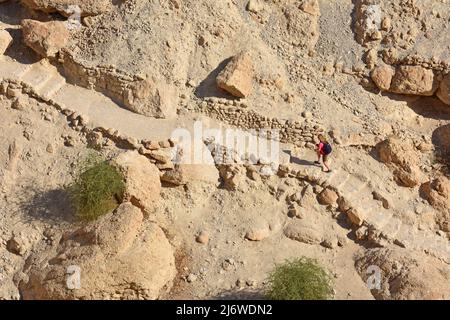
x: 300, y: 279
x: 97, y: 190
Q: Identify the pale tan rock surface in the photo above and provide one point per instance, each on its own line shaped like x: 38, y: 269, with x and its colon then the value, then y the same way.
x: 237, y: 77
x: 142, y: 179
x: 405, y: 275
x: 118, y: 257
x: 5, y: 41
x: 87, y: 7
x: 414, y: 80
x: 45, y: 38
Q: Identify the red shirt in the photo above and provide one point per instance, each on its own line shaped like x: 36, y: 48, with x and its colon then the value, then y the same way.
x: 321, y: 144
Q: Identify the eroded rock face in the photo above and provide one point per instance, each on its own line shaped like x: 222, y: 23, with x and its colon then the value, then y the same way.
x: 66, y: 7
x: 401, y: 155
x: 237, y: 77
x: 118, y: 257
x: 150, y: 97
x: 441, y: 140
x: 143, y: 185
x: 410, y: 80
x: 382, y: 76
x: 45, y: 38
x: 5, y: 41
x: 302, y: 25
x: 437, y: 192
x: 414, y: 80
x: 233, y: 176
x: 141, y: 94
x: 405, y: 274
x: 443, y: 92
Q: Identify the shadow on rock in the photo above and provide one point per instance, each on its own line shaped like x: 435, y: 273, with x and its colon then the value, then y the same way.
x: 441, y: 140
x: 208, y: 87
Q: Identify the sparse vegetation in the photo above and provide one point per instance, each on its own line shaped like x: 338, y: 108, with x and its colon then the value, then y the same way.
x: 97, y: 190
x: 300, y: 279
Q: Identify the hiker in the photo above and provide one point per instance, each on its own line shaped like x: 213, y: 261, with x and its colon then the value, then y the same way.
x: 323, y: 150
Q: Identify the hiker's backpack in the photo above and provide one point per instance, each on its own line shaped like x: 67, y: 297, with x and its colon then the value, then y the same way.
x: 327, y: 148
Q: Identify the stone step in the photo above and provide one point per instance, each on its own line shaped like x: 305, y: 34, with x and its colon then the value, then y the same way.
x: 351, y: 186
x: 361, y: 197
x: 392, y: 228
x: 338, y: 178
x: 377, y: 216
x: 52, y: 86
x: 37, y: 76
x: 12, y: 70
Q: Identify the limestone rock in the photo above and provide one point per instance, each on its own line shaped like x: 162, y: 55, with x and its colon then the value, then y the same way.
x: 255, y: 6
x: 441, y: 139
x: 327, y: 197
x: 414, y: 80
x: 303, y: 233
x: 355, y: 216
x: 45, y: 38
x: 202, y: 237
x: 405, y: 274
x: 117, y: 257
x: 175, y: 177
x: 23, y: 239
x: 443, y: 92
x: 437, y: 193
x: 5, y: 41
x: 257, y: 234
x: 382, y: 77
x: 402, y: 155
x: 237, y: 77
x: 233, y: 176
x: 65, y: 7
x: 203, y: 173
x: 142, y: 180
x: 150, y: 97
x: 311, y: 7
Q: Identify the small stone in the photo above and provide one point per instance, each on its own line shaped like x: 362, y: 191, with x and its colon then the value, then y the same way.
x: 362, y: 233
x: 202, y: 237
x: 49, y: 148
x: 191, y: 278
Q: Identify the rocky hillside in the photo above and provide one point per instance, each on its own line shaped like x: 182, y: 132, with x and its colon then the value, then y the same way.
x: 120, y: 77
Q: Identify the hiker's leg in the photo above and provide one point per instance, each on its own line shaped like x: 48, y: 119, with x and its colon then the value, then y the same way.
x: 325, y: 163
x: 318, y: 156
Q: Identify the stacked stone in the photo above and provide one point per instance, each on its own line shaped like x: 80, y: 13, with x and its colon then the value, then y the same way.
x: 301, y: 133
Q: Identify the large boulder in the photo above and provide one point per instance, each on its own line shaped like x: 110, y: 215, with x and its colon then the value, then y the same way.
x: 301, y: 27
x: 443, y: 92
x: 142, y: 181
x: 414, y: 80
x: 150, y: 97
x: 404, y: 274
x: 45, y: 38
x: 437, y: 192
x: 5, y: 41
x: 401, y: 155
x: 66, y: 7
x: 237, y: 77
x: 441, y: 139
x: 117, y: 257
